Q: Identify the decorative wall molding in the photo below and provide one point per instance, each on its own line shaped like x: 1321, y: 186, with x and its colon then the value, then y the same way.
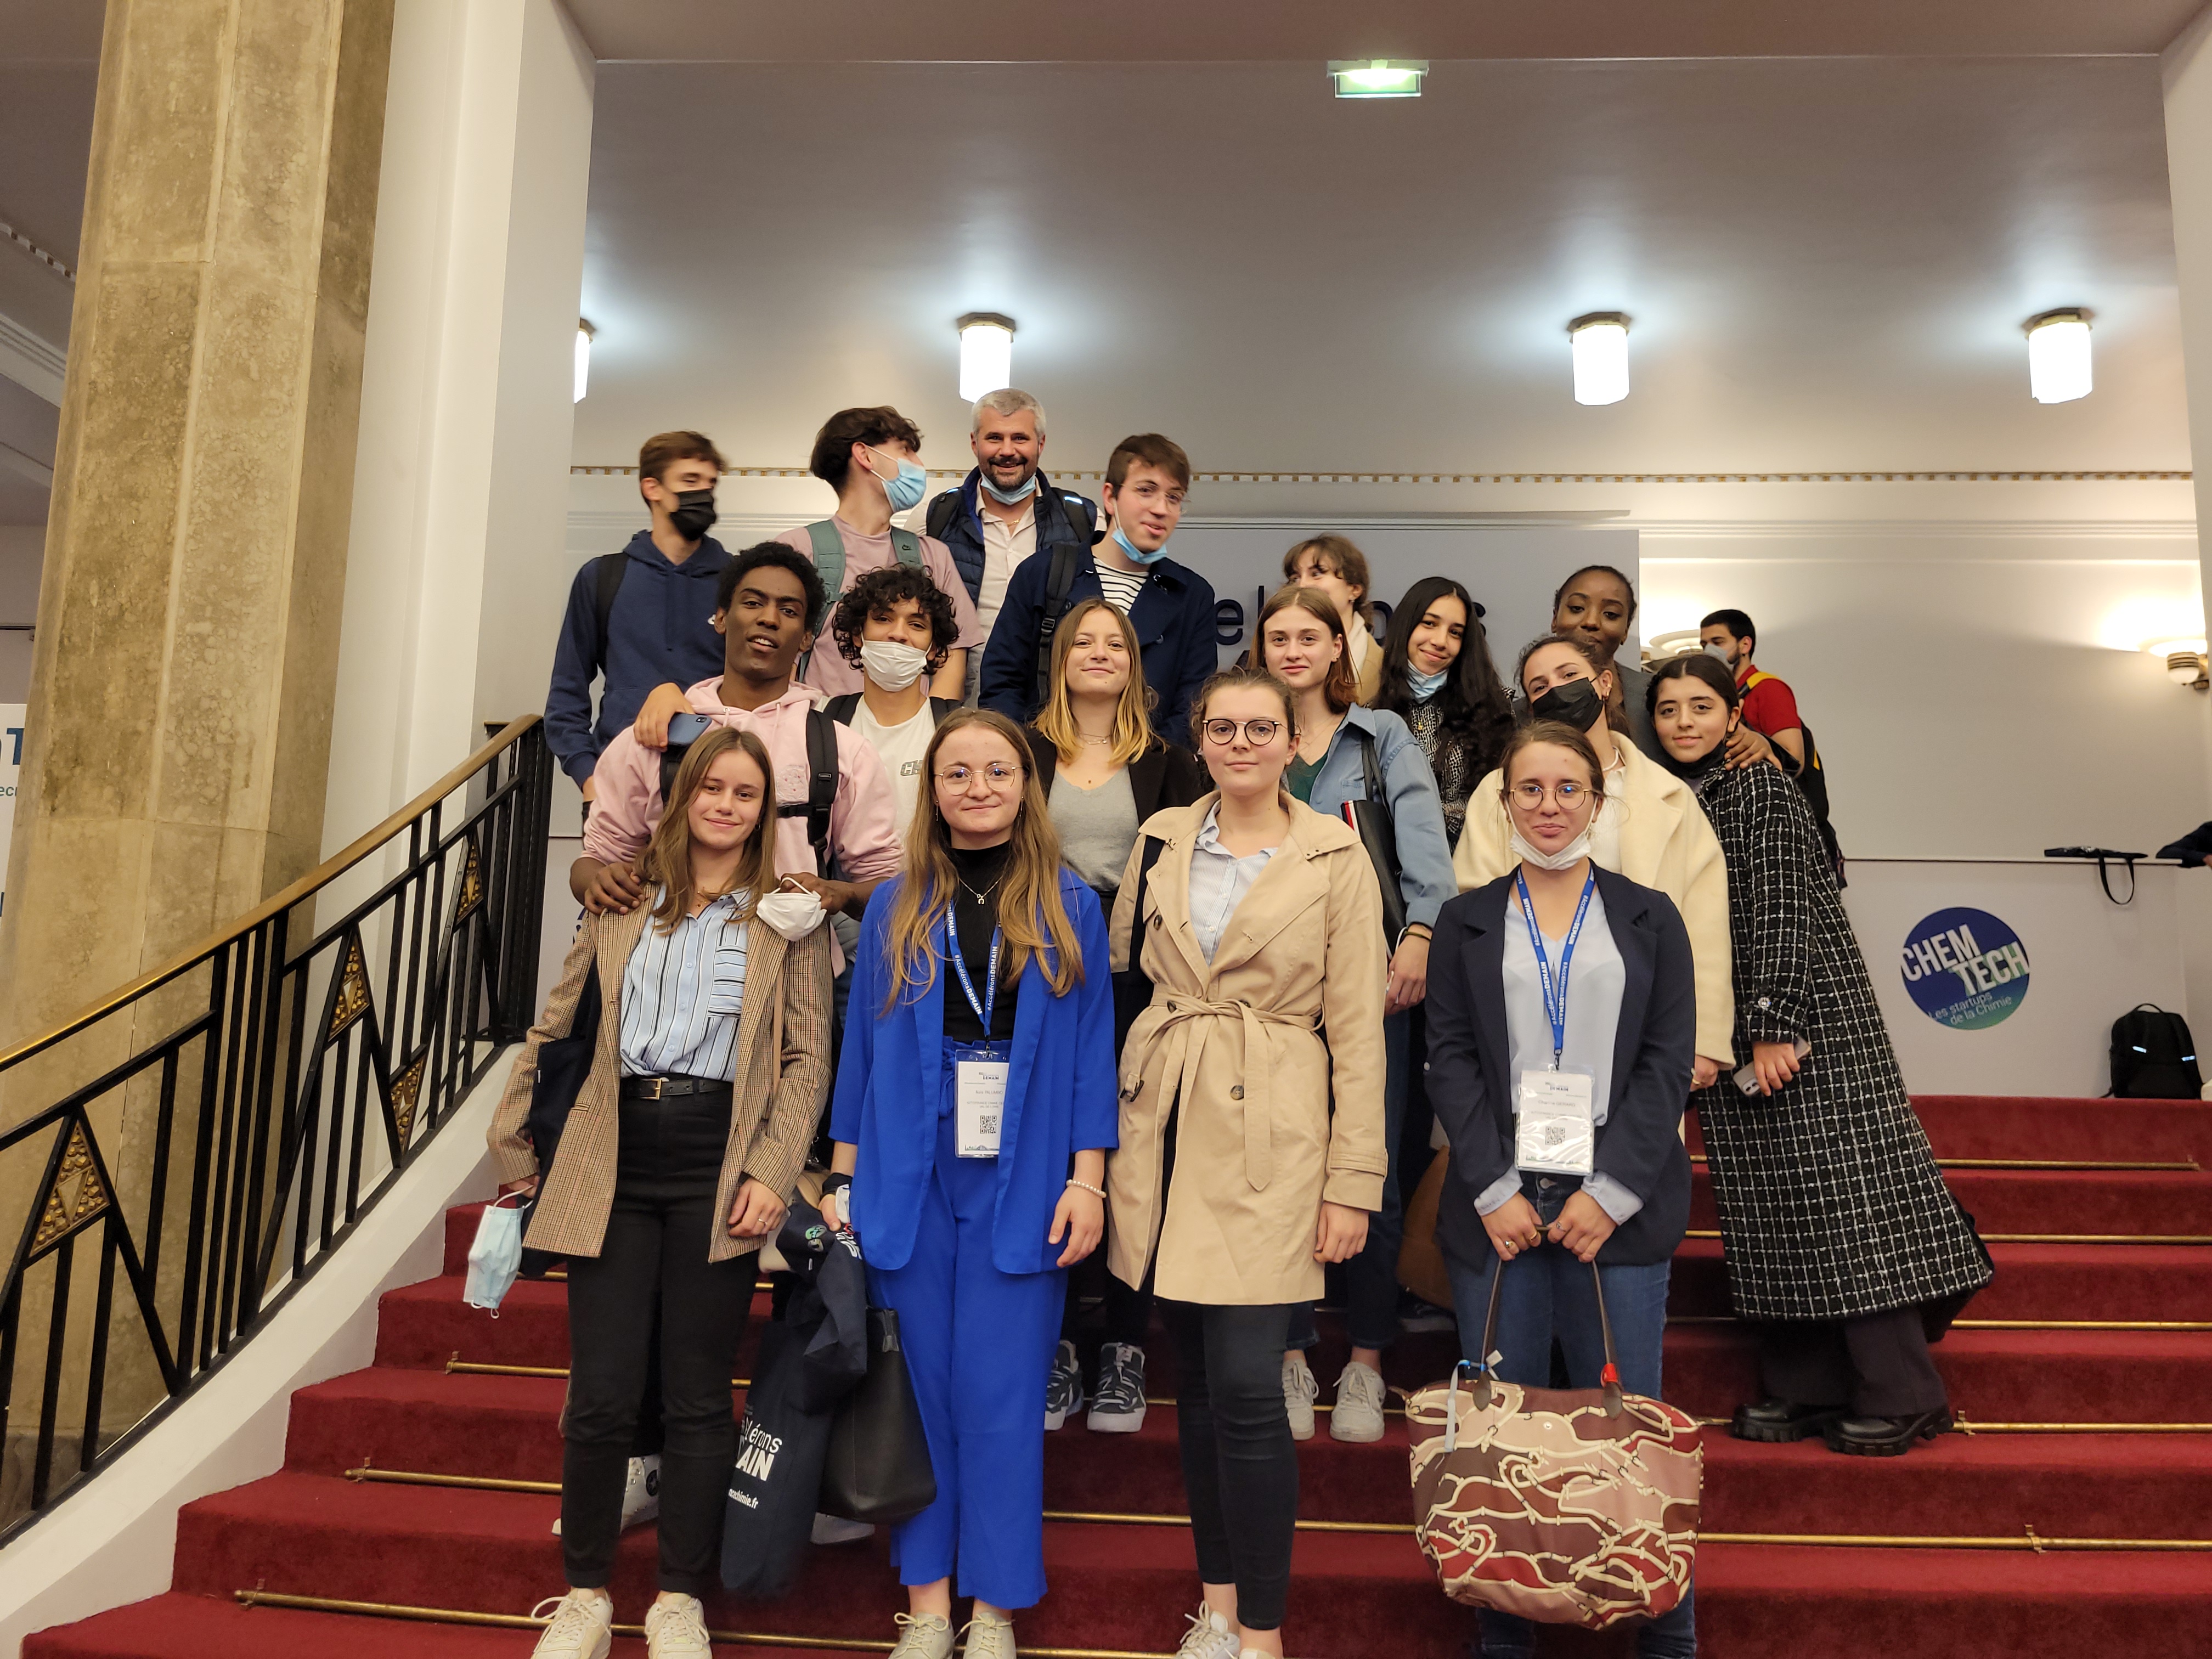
x: 1526, y: 478
x: 32, y: 362
x: 51, y: 261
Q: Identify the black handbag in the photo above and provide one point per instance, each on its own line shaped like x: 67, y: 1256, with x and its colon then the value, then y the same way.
x: 1371, y: 821
x: 563, y: 1063
x: 769, y: 1515
x: 877, y: 1468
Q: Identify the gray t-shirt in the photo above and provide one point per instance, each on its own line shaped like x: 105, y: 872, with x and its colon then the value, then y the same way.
x: 1097, y: 828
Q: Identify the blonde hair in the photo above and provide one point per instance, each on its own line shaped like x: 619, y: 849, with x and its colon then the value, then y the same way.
x: 1031, y: 909
x: 666, y: 860
x: 1132, y: 725
x: 1341, y: 686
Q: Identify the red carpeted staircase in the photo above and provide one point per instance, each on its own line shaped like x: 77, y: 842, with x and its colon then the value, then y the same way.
x: 322, y: 1530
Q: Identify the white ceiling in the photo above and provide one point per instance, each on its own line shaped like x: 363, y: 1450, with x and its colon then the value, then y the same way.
x: 1827, y: 262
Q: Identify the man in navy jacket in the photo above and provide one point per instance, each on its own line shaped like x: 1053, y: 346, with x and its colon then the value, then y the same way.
x: 1005, y: 510
x: 643, y: 616
x: 1170, y: 605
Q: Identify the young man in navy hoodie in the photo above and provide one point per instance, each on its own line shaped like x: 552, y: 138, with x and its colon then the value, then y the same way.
x: 642, y: 617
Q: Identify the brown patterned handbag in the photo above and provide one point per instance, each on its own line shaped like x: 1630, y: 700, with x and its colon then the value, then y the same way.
x: 1567, y: 1507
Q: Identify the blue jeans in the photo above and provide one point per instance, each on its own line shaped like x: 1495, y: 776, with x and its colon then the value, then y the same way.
x: 1548, y: 1295
x: 1371, y: 1278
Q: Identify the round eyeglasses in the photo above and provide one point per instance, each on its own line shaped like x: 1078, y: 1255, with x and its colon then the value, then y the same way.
x: 999, y: 776
x: 1259, y: 733
x: 1529, y: 797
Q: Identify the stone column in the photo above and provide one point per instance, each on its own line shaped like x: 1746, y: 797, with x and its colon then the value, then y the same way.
x: 195, y: 561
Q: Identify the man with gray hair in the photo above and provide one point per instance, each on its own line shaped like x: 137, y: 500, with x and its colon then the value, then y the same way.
x: 1005, y: 509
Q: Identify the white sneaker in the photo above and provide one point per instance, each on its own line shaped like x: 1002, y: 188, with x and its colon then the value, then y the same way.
x: 577, y: 1628
x: 836, y: 1529
x: 1300, y: 1390
x: 640, y: 1494
x: 1210, y: 1637
x: 989, y: 1636
x: 929, y: 1637
x: 676, y: 1630
x: 1359, y: 1413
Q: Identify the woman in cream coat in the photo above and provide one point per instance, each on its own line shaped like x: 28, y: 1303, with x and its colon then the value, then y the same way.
x: 1261, y: 926
x: 1655, y: 833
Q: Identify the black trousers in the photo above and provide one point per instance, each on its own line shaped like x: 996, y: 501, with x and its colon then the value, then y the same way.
x: 650, y: 1287
x: 1128, y: 1313
x: 1240, y: 1466
x: 1878, y: 1364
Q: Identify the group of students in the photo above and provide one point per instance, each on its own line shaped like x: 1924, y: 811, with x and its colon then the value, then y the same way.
x: 1118, y: 957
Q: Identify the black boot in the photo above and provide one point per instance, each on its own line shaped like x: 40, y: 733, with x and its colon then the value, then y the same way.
x: 1778, y: 1422
x: 1886, y: 1437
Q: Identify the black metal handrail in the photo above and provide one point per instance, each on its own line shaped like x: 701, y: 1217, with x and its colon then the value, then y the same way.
x: 230, y: 1151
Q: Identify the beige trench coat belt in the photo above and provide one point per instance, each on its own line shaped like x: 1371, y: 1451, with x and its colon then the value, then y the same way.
x: 1259, y: 1123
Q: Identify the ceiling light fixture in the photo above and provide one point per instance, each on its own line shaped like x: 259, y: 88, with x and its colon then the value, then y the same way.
x: 986, y: 354
x: 2058, y: 356
x: 1600, y: 349
x: 1378, y: 77
x: 584, y: 334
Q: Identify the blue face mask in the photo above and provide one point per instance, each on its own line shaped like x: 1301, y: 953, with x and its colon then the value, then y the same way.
x: 495, y: 1257
x: 1008, y: 497
x: 1138, y: 553
x: 1424, y: 686
x: 906, y: 489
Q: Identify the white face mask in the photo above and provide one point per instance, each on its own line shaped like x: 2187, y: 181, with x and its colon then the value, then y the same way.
x: 892, y: 663
x: 793, y: 913
x: 1563, y: 858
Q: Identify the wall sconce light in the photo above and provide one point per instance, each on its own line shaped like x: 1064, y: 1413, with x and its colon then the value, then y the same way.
x: 1378, y: 77
x: 2058, y: 356
x: 2185, y: 662
x: 585, y: 332
x: 1600, y: 341
x: 986, y: 354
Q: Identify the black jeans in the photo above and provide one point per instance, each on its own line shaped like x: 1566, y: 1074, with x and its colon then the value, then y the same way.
x: 1128, y: 1313
x: 652, y: 1262
x: 1240, y: 1466
x: 1878, y: 1364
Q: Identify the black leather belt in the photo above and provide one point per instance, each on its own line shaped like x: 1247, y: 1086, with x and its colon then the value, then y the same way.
x: 660, y: 1088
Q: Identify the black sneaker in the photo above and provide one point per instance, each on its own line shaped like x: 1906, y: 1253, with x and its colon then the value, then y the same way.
x: 1118, y: 1408
x: 1415, y: 1316
x: 1063, y: 1388
x: 1780, y: 1422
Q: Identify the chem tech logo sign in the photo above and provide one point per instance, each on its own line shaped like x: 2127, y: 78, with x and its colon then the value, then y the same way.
x: 1964, y: 968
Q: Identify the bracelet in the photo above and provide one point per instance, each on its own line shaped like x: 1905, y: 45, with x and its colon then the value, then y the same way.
x: 1087, y: 1186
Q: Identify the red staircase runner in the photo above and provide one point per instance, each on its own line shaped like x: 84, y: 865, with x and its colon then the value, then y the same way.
x: 1120, y: 1585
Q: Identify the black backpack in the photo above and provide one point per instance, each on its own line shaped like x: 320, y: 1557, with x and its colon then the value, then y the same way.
x: 821, y: 783
x: 2154, y: 1056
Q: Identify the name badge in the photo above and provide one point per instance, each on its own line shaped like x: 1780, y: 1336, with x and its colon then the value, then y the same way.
x: 980, y: 1102
x: 1556, y: 1133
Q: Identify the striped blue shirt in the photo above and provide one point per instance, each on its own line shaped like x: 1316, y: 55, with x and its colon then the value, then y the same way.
x: 682, y: 994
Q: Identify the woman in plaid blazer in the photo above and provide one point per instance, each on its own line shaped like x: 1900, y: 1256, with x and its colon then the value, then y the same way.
x: 675, y: 1164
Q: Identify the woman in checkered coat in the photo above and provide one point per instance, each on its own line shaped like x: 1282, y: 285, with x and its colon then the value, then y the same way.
x: 1843, y: 1242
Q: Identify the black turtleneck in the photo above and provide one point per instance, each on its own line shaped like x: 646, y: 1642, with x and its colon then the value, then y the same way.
x: 980, y: 870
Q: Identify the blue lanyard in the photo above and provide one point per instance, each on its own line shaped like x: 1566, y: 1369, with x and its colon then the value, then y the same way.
x: 1555, y: 1002
x: 960, y: 965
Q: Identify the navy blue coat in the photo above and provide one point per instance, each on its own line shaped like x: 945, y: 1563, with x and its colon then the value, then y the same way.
x: 1061, y: 1092
x: 1173, y: 618
x: 963, y: 535
x: 1640, y: 1142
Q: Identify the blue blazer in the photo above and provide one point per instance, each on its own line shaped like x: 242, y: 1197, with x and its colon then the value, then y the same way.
x: 1061, y: 1092
x: 1640, y: 1143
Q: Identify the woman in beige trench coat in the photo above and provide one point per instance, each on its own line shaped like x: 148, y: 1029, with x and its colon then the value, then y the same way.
x: 1251, y: 1149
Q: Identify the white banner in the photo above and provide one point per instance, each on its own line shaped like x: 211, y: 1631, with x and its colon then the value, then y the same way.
x: 12, y: 762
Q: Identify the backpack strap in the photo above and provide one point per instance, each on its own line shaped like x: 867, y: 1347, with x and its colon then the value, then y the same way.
x: 1370, y: 773
x: 671, y: 757
x: 1152, y: 845
x: 941, y: 511
x: 607, y: 578
x: 821, y: 784
x: 1058, y: 582
x: 842, y: 709
x: 829, y: 563
x: 942, y: 709
x: 906, y: 547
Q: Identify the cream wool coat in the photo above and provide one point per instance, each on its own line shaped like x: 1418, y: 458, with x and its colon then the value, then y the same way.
x: 1234, y: 1048
x: 1665, y: 842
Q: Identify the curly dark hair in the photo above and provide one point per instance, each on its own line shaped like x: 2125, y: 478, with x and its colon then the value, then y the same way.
x: 784, y: 556
x: 1477, y: 714
x: 882, y: 589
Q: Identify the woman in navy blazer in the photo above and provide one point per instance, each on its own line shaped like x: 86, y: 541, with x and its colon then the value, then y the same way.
x: 969, y: 1234
x: 1505, y: 1011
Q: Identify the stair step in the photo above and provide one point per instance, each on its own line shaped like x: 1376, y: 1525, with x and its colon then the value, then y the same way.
x: 2011, y: 1125
x: 1352, y: 1594
x: 2051, y: 1201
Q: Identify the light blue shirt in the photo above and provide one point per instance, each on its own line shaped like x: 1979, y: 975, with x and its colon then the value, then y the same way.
x: 1417, y: 812
x: 683, y: 992
x: 1218, y: 882
x: 1593, y: 991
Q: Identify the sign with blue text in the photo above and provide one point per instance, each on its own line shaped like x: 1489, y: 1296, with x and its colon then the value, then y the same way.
x: 11, y: 762
x: 1964, y: 968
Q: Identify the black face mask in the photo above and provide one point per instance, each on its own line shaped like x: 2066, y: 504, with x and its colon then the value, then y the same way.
x: 1571, y: 702
x: 694, y: 513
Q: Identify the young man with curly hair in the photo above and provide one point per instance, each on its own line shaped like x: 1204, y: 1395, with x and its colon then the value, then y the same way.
x: 897, y: 627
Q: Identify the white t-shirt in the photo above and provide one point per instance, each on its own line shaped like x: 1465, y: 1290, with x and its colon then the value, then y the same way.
x: 899, y: 747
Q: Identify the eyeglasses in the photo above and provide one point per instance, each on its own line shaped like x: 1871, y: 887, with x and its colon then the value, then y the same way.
x: 1529, y: 797
x: 1258, y: 733
x: 958, y: 779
